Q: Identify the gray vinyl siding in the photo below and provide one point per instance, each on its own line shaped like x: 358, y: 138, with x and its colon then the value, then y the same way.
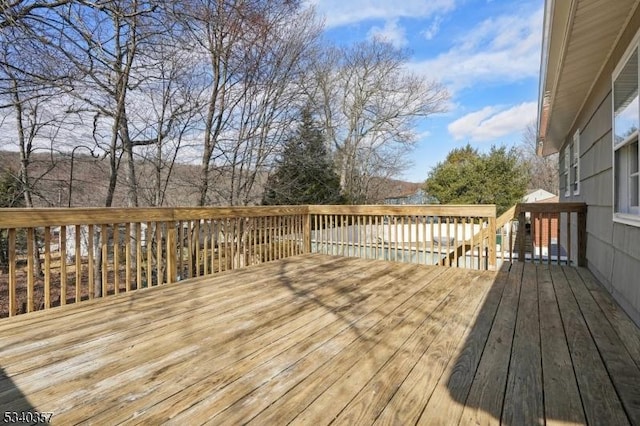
x: 613, y: 249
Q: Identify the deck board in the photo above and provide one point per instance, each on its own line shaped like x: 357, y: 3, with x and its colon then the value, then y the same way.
x: 317, y: 339
x: 486, y: 397
x: 523, y: 403
x: 599, y: 399
x: 562, y: 401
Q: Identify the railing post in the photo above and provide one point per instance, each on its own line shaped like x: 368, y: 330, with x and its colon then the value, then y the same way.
x: 582, y: 238
x: 307, y: 232
x: 492, y: 243
x: 521, y: 236
x: 172, y: 270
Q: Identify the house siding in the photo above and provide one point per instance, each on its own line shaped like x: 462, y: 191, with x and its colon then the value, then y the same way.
x: 613, y: 249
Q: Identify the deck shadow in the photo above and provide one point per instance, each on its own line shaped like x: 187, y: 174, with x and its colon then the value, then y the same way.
x: 531, y: 355
x: 14, y: 404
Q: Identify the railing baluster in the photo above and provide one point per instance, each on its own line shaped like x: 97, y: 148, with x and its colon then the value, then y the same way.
x: 431, y: 237
x: 549, y: 246
x: 196, y: 242
x: 139, y: 255
x: 30, y: 266
x: 205, y: 247
x: 582, y: 238
x: 63, y: 265
x: 13, y: 299
x: 127, y: 256
x: 116, y: 258
x: 91, y: 260
x: 159, y: 272
x: 78, y: 259
x: 47, y: 267
x: 569, y: 241
x: 104, y: 257
x: 172, y: 272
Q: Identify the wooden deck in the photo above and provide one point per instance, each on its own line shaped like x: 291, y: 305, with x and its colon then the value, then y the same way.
x: 314, y: 339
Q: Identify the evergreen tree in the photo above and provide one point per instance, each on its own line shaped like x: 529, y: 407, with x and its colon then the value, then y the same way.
x: 10, y: 196
x: 305, y: 173
x: 468, y: 177
x: 10, y: 192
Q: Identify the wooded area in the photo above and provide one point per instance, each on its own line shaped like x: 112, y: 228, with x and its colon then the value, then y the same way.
x: 145, y: 86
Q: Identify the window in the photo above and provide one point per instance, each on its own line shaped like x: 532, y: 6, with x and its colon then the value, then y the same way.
x: 575, y: 163
x: 626, y: 119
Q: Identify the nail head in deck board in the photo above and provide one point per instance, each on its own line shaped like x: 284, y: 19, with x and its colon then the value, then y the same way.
x: 523, y: 396
x: 562, y: 399
x: 447, y: 401
x: 623, y: 371
x: 485, y: 401
x: 599, y: 398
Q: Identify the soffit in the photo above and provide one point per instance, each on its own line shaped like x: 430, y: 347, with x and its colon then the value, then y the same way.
x: 581, y: 36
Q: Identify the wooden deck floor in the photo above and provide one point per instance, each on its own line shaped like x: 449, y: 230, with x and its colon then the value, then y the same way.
x: 319, y: 339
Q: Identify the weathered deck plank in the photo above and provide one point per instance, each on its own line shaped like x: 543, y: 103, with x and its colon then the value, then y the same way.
x: 486, y: 397
x: 622, y: 370
x: 599, y: 399
x: 320, y: 339
x: 523, y: 397
x: 448, y: 398
x: 396, y: 322
x: 562, y: 398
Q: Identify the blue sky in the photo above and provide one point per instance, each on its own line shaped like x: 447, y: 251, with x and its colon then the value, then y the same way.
x: 486, y: 52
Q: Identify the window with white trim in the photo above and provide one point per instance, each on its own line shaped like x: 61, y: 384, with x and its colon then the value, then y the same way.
x: 566, y: 174
x: 626, y: 121
x: 575, y: 163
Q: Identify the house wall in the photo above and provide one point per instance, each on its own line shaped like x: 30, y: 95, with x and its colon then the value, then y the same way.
x: 613, y: 249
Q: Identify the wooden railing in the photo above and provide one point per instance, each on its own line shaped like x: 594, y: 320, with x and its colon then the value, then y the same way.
x: 551, y: 233
x: 427, y: 234
x: 52, y: 257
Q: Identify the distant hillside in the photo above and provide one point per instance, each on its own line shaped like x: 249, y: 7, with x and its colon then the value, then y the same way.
x: 51, y: 173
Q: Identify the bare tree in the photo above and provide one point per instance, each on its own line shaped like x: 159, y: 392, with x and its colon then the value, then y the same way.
x: 251, y: 51
x: 543, y: 171
x: 271, y: 99
x: 165, y: 109
x: 12, y: 13
x: 370, y: 103
x: 105, y: 45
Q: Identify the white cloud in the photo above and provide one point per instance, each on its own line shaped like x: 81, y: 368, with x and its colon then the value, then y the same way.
x: 432, y: 30
x: 391, y: 33
x: 491, y: 123
x: 346, y: 12
x: 502, y: 49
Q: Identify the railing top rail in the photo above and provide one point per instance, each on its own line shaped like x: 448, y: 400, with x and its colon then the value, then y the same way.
x: 25, y: 218
x: 484, y: 210
x: 551, y: 207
